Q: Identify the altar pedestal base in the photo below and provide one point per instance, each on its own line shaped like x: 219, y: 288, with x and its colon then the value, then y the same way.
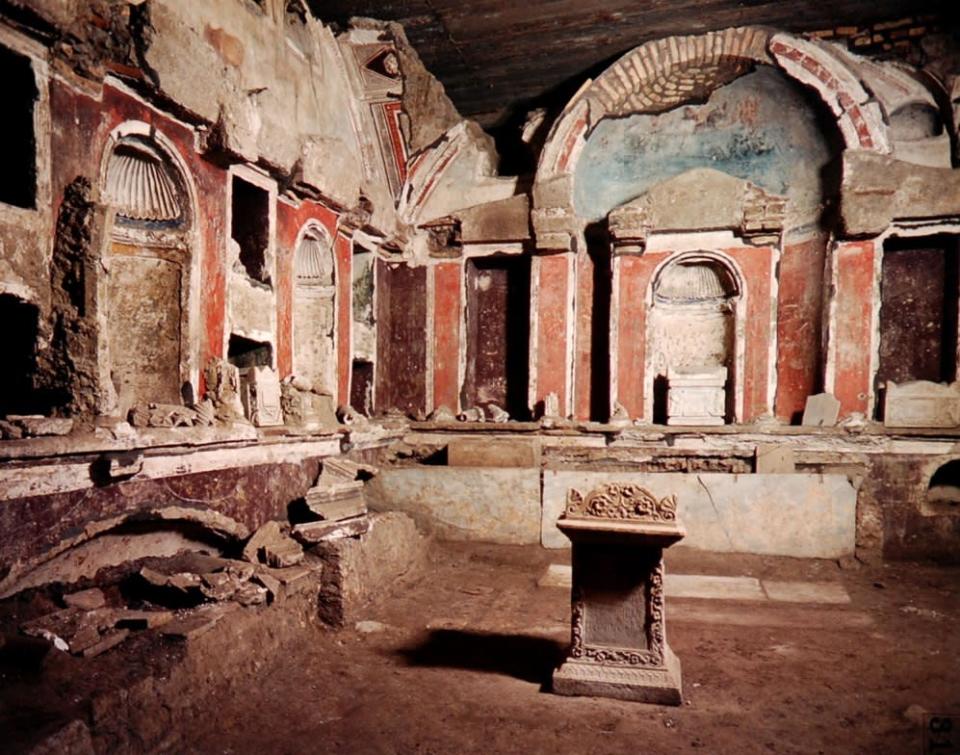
x: 658, y: 685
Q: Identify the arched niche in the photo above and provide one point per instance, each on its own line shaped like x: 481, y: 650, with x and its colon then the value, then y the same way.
x: 149, y: 305
x: 943, y: 492
x: 662, y: 74
x: 314, y: 309
x: 696, y: 306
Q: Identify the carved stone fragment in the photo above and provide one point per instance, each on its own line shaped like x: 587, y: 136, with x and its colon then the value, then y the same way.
x: 223, y: 390
x: 260, y: 393
x: 821, y: 410
x: 442, y: 413
x: 497, y: 414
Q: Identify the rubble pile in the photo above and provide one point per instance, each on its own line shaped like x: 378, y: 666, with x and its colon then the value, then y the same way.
x: 336, y: 504
x: 184, y: 595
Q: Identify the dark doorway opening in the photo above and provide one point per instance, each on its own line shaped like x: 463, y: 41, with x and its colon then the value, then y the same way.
x: 19, y: 344
x: 600, y: 329
x: 401, y: 338
x: 250, y: 228
x: 361, y: 387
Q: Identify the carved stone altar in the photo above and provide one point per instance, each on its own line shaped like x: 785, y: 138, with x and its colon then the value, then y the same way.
x: 618, y: 639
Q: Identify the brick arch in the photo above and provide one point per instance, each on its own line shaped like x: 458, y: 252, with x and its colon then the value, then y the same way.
x: 662, y: 74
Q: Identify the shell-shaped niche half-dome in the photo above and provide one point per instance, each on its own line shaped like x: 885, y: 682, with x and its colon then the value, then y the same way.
x: 314, y: 260
x: 695, y: 281
x: 140, y: 185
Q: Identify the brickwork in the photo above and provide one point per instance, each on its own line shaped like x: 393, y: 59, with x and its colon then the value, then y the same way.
x: 662, y: 74
x: 898, y: 38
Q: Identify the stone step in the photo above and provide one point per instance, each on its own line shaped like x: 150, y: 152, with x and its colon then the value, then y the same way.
x: 712, y: 587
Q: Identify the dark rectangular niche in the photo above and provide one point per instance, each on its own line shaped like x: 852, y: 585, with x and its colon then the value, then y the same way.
x: 361, y: 386
x: 250, y: 228
x: 401, y: 338
x: 245, y: 352
x: 918, y: 310
x: 18, y: 344
x: 497, y: 324
x: 18, y: 179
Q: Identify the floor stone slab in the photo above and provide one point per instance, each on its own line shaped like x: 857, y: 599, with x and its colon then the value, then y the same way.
x: 711, y: 587
x: 716, y: 588
x: 806, y: 592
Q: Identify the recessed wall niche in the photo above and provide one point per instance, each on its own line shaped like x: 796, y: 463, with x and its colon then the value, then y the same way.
x: 19, y: 343
x: 147, y: 264
x: 692, y: 324
x: 250, y: 229
x: 314, y: 310
x: 919, y: 288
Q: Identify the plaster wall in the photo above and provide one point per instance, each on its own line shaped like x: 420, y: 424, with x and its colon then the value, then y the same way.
x: 277, y: 96
x: 464, y: 503
x: 850, y: 352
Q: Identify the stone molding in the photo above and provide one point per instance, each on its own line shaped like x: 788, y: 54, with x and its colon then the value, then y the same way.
x: 858, y: 116
x: 753, y: 214
x: 878, y: 190
x: 555, y: 228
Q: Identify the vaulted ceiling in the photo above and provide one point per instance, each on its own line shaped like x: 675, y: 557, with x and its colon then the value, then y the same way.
x: 494, y: 55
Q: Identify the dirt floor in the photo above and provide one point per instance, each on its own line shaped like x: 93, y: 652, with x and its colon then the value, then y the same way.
x: 458, y: 660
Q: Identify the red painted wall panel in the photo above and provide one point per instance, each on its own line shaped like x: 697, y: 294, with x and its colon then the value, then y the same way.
x: 552, y: 328
x: 635, y: 274
x: 582, y: 362
x: 853, y: 328
x: 447, y: 318
x: 800, y: 304
x: 344, y: 282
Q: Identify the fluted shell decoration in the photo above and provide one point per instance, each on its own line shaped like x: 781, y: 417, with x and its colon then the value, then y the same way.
x: 314, y: 262
x: 690, y: 282
x: 139, y: 185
